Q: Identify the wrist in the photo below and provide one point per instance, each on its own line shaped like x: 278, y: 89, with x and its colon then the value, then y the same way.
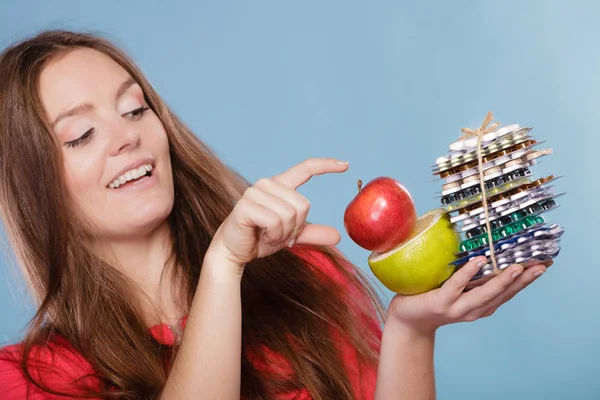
x: 219, y: 267
x: 409, y: 330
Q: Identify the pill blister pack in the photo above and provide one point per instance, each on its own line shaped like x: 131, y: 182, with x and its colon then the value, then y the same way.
x: 506, y: 189
x: 517, y: 202
x: 541, y: 231
x: 465, y: 151
x: 507, y: 211
x: 521, y: 153
x: 452, y: 194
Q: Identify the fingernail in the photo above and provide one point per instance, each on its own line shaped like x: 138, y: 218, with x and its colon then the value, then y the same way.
x: 339, y: 162
x: 537, y: 273
x: 291, y: 242
x: 481, y: 264
x: 516, y: 273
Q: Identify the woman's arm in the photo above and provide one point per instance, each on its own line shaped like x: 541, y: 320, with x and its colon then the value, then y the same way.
x: 208, y: 363
x: 406, y: 359
x: 270, y: 215
x: 405, y: 364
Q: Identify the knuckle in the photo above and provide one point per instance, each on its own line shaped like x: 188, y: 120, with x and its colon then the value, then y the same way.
x: 242, y: 202
x: 250, y: 191
x: 241, y: 208
x: 290, y: 213
x: 508, y: 297
x: 262, y: 182
x: 456, y: 314
x: 274, y: 227
x: 310, y: 163
x: 305, y: 204
x: 279, y: 224
x: 441, y: 310
x: 471, y: 317
x: 274, y: 220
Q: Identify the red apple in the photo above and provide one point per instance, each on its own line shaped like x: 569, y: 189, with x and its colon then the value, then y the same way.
x: 381, y: 216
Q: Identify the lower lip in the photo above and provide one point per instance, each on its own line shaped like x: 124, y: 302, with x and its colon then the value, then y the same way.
x: 138, y: 185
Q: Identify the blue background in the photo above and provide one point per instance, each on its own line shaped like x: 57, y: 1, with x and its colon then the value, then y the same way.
x: 386, y: 85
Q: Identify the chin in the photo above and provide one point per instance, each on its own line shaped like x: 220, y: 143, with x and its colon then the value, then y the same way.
x: 152, y: 216
x: 141, y: 221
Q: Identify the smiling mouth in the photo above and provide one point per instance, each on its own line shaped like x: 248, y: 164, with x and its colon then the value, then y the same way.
x: 132, y: 176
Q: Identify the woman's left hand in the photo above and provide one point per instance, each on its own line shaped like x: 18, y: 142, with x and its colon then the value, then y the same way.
x: 426, y: 312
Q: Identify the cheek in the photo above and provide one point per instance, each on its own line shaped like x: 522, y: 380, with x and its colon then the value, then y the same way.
x: 82, y: 176
x: 157, y: 138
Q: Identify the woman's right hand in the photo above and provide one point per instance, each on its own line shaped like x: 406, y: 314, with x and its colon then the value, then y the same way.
x: 271, y: 214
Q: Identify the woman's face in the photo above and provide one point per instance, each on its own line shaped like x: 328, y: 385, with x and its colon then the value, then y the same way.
x: 116, y: 152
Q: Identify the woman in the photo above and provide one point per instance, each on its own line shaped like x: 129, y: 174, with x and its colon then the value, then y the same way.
x: 129, y: 230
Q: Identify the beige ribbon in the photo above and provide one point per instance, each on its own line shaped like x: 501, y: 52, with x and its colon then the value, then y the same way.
x: 479, y: 132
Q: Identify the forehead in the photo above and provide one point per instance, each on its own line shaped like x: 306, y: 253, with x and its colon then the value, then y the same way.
x: 79, y: 76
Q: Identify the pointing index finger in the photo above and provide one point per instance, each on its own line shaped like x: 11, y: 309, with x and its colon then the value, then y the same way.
x: 301, y: 173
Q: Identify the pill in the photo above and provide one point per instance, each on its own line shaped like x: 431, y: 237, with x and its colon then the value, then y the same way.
x: 457, y: 146
x: 488, y: 137
x: 470, y: 143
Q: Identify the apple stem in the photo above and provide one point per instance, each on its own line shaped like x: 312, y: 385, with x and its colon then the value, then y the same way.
x: 359, y: 185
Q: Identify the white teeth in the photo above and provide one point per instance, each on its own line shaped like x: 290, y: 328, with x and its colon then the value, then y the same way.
x: 130, y: 175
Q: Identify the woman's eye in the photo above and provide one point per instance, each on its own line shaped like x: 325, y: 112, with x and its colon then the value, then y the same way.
x: 138, y: 113
x: 82, y: 139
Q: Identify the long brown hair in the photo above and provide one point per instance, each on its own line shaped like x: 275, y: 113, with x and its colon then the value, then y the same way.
x: 288, y: 306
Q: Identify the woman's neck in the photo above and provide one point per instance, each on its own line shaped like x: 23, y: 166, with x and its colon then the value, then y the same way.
x: 145, y: 261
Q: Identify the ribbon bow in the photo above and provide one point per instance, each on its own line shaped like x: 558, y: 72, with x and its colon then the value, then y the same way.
x: 483, y: 129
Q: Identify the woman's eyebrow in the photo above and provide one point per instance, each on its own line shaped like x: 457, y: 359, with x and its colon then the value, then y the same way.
x: 86, y: 107
x: 124, y: 86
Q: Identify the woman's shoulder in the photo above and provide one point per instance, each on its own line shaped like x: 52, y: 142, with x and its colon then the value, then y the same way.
x: 56, y: 364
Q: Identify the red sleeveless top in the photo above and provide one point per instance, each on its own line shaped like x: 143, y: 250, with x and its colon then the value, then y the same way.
x: 60, y: 366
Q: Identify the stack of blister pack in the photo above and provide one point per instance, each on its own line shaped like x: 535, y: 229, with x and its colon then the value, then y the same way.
x: 515, y: 200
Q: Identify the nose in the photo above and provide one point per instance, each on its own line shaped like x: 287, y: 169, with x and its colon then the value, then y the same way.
x: 125, y: 138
